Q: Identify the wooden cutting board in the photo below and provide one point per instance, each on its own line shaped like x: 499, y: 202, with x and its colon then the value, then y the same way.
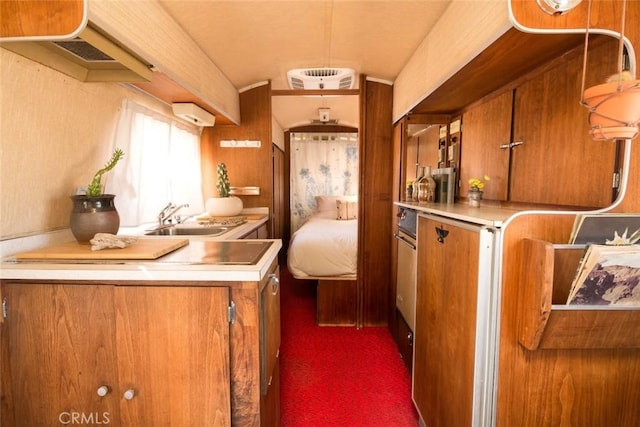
x: 141, y: 249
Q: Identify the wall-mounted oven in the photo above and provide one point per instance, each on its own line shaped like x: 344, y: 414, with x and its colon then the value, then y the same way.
x: 406, y: 268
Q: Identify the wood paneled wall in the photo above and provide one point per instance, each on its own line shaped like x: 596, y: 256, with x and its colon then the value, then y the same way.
x: 245, y: 166
x: 556, y: 387
x: 376, y: 185
x: 587, y: 387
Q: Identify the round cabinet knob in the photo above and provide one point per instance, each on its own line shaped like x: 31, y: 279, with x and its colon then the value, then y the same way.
x: 129, y: 394
x: 102, y: 391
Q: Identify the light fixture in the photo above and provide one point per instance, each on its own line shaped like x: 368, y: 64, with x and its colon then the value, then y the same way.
x: 193, y: 114
x: 557, y: 7
x: 324, y: 114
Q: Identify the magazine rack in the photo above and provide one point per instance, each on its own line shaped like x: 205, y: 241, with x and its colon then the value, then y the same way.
x: 546, y: 321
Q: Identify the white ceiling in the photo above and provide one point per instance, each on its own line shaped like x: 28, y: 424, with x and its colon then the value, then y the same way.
x: 256, y: 41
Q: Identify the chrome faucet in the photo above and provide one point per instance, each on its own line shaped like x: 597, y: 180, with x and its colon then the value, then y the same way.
x: 168, y: 211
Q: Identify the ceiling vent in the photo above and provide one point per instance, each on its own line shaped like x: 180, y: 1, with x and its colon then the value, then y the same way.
x: 193, y: 114
x: 321, y: 78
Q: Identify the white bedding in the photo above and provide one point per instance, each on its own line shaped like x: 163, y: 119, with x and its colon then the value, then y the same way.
x: 324, y: 246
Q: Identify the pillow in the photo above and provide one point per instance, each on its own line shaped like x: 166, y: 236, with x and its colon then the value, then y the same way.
x: 346, y: 210
x: 326, y: 203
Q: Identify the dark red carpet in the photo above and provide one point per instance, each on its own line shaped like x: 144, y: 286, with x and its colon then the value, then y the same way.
x: 338, y: 376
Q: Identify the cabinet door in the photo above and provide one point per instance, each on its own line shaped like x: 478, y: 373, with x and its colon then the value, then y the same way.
x: 173, y: 353
x: 57, y: 352
x: 559, y: 163
x: 487, y: 127
x: 270, y: 349
x: 269, y: 328
x: 444, y: 343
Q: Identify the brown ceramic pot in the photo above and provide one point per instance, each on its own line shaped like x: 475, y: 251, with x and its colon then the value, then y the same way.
x: 91, y: 215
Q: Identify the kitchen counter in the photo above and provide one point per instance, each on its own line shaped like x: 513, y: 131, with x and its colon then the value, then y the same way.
x: 489, y: 213
x: 184, y: 264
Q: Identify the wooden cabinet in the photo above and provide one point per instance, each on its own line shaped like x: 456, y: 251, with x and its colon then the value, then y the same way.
x: 130, y: 355
x: 52, y: 18
x: 141, y: 353
x: 454, y: 277
x: 270, y: 350
x: 533, y: 141
x: 485, y: 145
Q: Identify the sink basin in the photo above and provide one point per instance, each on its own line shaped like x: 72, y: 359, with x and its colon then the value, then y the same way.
x: 187, y: 231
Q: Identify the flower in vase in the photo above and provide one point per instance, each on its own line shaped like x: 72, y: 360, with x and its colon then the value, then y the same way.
x: 476, y: 184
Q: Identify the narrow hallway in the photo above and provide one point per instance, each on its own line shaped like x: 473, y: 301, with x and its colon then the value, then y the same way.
x: 338, y: 376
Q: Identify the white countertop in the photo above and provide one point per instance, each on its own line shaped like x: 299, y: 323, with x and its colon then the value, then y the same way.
x: 155, y: 270
x: 189, y: 269
x: 488, y: 214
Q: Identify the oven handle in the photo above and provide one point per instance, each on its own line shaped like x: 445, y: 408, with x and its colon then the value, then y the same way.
x: 405, y: 241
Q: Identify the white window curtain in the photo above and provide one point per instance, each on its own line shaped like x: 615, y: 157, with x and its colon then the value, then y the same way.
x: 321, y: 164
x: 161, y: 165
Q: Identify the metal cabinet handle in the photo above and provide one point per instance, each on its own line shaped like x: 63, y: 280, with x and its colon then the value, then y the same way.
x: 510, y: 145
x: 129, y: 394
x: 275, y: 283
x: 102, y: 391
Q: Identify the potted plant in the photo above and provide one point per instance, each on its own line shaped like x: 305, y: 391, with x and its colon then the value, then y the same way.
x: 614, y: 107
x: 476, y: 187
x: 95, y: 212
x: 225, y: 204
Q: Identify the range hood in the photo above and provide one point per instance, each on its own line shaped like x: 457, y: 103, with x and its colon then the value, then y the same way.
x: 89, y: 57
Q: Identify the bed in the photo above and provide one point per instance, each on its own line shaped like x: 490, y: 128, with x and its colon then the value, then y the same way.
x: 325, y: 249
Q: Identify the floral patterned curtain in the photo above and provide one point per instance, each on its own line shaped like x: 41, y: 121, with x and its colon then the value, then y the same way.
x: 321, y: 164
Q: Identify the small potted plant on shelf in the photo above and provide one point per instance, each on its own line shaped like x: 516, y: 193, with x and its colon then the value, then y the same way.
x: 225, y: 204
x: 95, y: 212
x: 476, y: 187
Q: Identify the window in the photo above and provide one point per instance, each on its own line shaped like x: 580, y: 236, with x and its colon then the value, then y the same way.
x: 161, y: 165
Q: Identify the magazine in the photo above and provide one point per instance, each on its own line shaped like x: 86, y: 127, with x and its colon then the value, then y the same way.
x: 600, y: 228
x: 608, y: 275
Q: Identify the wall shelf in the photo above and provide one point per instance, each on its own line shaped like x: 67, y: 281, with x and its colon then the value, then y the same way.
x: 547, y: 322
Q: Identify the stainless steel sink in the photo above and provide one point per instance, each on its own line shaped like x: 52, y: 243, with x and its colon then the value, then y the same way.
x: 187, y: 231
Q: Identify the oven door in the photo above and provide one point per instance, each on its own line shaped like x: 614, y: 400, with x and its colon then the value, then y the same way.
x: 406, y: 277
